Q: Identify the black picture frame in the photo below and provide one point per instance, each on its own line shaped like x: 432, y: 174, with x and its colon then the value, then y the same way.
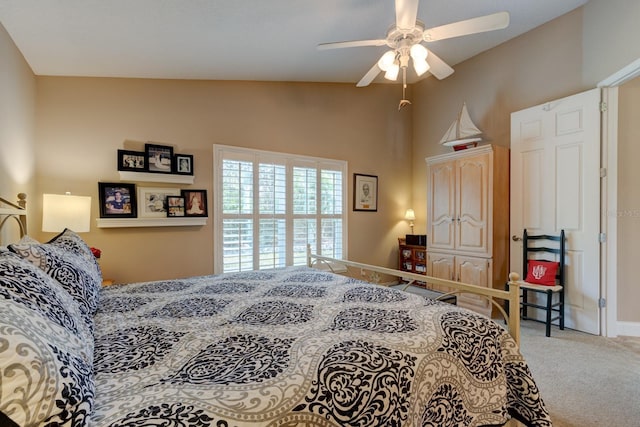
x: 195, y: 202
x: 175, y: 206
x: 134, y: 161
x: 113, y: 205
x: 183, y: 164
x: 365, y: 192
x: 159, y: 158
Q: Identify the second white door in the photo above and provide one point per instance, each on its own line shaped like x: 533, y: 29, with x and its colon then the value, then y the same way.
x: 555, y: 184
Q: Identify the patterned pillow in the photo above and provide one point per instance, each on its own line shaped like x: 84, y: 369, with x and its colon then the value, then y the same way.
x: 542, y: 272
x: 46, y: 350
x: 65, y: 262
x: 28, y: 286
x: 44, y: 378
x: 70, y: 240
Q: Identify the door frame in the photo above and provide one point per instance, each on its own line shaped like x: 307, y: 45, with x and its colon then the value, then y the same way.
x: 609, y: 197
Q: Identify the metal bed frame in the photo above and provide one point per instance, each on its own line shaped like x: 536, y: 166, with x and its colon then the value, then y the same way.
x: 511, y: 296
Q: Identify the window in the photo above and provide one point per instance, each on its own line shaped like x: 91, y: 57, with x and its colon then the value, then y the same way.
x: 269, y: 206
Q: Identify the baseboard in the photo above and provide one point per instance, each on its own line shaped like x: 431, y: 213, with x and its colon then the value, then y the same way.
x: 628, y: 329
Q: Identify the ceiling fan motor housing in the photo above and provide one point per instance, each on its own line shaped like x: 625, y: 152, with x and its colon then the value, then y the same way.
x: 396, y: 37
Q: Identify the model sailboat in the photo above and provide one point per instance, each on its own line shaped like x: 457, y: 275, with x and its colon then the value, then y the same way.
x: 462, y: 133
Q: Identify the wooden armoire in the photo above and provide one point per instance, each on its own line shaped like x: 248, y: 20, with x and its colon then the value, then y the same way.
x: 468, y: 219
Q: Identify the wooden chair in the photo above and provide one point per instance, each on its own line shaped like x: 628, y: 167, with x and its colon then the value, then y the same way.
x: 548, y: 248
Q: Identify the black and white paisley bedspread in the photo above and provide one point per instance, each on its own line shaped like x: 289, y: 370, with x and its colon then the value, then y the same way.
x: 300, y: 347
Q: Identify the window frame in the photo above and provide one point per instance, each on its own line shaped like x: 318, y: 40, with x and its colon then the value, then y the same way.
x: 256, y: 157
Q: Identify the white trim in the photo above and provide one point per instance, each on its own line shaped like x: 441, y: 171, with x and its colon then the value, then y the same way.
x: 629, y: 329
x: 609, y: 220
x: 150, y: 222
x: 611, y: 327
x: 156, y: 177
x: 627, y: 73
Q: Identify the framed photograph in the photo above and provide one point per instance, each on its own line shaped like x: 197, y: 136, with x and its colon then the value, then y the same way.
x: 117, y: 200
x: 183, y: 164
x: 131, y: 161
x: 159, y: 158
x: 365, y: 192
x: 175, y: 206
x: 195, y: 202
x: 152, y: 202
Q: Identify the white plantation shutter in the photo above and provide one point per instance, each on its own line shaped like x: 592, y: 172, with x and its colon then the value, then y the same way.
x: 269, y: 206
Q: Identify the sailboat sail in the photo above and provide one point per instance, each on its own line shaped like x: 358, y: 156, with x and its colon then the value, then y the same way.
x: 462, y: 131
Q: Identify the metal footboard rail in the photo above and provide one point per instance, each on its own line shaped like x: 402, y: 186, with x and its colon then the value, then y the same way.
x: 512, y: 296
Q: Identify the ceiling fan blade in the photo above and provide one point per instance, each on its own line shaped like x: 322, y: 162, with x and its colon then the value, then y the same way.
x: 354, y: 43
x: 371, y: 74
x: 496, y: 21
x: 438, y: 67
x: 406, y: 13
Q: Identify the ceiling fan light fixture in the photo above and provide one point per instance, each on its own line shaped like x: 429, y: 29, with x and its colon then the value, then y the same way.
x: 386, y: 61
x: 420, y: 66
x: 418, y: 52
x: 392, y: 72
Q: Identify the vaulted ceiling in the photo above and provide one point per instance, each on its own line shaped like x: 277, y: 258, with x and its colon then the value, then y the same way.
x: 262, y: 40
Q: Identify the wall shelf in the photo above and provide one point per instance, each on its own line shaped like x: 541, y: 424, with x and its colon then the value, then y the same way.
x: 156, y: 177
x: 150, y: 222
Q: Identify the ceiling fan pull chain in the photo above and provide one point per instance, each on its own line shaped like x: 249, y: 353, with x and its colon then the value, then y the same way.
x: 404, y: 102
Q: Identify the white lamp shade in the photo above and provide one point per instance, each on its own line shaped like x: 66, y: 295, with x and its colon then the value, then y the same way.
x: 386, y: 60
x: 421, y: 66
x: 410, y: 215
x: 60, y: 211
x: 392, y: 72
x: 418, y: 51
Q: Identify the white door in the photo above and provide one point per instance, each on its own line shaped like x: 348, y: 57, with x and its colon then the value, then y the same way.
x: 555, y: 184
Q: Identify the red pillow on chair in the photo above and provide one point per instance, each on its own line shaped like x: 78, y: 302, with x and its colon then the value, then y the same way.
x: 542, y: 272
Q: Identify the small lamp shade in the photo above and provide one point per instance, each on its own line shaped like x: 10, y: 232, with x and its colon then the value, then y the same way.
x: 60, y: 211
x: 410, y: 215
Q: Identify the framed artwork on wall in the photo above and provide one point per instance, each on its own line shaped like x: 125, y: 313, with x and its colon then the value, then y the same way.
x: 152, y: 201
x: 159, y: 158
x: 183, y: 164
x: 195, y: 202
x: 365, y: 192
x: 132, y: 161
x: 175, y: 206
x: 117, y: 200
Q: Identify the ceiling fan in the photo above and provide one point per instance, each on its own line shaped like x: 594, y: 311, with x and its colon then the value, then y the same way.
x: 405, y: 39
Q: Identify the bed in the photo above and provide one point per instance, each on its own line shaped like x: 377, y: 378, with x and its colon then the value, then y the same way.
x: 288, y: 347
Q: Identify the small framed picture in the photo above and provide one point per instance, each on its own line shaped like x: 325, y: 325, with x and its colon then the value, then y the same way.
x: 183, y: 164
x: 175, y: 206
x: 365, y: 192
x: 117, y: 200
x: 195, y: 202
x: 131, y: 161
x: 152, y: 201
x: 159, y: 158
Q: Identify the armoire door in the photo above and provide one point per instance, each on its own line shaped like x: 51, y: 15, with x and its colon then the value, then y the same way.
x: 441, y: 266
x: 442, y: 207
x: 472, y: 204
x: 474, y: 271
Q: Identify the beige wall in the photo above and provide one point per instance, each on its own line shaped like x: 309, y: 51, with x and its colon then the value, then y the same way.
x: 82, y: 122
x: 565, y: 56
x: 17, y: 115
x: 526, y: 71
x: 628, y: 211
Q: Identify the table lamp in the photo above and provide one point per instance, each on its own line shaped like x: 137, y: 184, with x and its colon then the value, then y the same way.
x: 60, y: 211
x: 410, y: 216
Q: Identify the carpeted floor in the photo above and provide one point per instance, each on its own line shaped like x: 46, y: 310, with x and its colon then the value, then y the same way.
x: 584, y: 380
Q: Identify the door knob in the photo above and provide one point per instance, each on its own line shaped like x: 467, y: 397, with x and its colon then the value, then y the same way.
x: 516, y: 238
